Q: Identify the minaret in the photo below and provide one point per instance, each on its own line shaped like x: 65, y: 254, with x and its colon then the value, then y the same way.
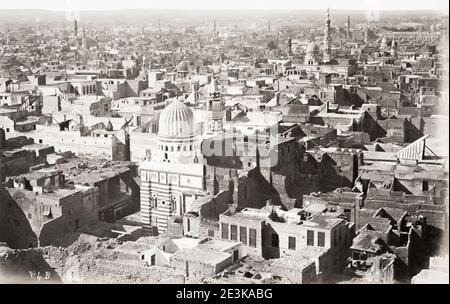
x: 327, y: 40
x: 268, y: 27
x: 214, y: 108
x: 215, y: 30
x: 7, y: 37
x: 393, y: 48
x: 76, y: 28
x: 159, y: 26
x: 366, y: 35
x: 84, y: 39
x: 348, y: 27
x: 289, y: 46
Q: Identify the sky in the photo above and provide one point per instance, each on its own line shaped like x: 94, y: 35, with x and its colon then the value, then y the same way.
x: 76, y: 5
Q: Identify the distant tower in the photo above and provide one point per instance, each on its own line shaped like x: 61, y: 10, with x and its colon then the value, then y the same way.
x: 84, y: 39
x: 214, y: 108
x: 7, y: 37
x: 289, y: 46
x: 76, y: 28
x: 348, y: 27
x: 393, y: 48
x: 215, y: 29
x: 159, y: 26
x: 327, y: 40
x: 268, y: 27
x: 366, y: 35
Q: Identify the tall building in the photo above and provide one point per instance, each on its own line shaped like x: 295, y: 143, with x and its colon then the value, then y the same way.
x: 174, y: 176
x: 348, y: 27
x: 393, y: 48
x: 76, y: 28
x: 214, y: 108
x: 327, y: 40
x: 289, y: 46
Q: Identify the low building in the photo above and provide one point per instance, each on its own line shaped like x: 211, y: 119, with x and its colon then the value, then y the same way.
x: 194, y: 257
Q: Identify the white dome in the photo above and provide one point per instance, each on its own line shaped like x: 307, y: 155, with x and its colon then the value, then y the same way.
x: 176, y: 120
x: 311, y: 48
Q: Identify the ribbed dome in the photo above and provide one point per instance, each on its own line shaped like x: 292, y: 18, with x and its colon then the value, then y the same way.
x: 176, y: 120
x: 311, y: 48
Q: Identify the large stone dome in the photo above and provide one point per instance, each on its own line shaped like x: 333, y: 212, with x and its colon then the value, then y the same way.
x: 176, y: 121
x: 183, y: 66
x: 311, y: 48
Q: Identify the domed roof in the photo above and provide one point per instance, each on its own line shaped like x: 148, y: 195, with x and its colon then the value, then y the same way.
x: 183, y: 66
x: 176, y: 120
x: 311, y: 48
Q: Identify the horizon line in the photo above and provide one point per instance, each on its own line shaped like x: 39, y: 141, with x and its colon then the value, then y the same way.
x: 220, y: 9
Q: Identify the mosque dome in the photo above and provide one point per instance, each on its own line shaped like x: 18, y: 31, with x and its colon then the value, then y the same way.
x: 183, y: 66
x: 176, y: 120
x: 311, y: 48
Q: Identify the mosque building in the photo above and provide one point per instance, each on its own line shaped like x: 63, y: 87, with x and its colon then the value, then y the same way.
x: 174, y: 176
x: 317, y: 62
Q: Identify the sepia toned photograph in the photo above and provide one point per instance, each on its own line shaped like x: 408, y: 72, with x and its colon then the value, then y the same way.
x: 224, y: 143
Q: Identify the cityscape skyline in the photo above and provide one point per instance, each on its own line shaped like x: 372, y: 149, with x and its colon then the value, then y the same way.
x: 105, y: 5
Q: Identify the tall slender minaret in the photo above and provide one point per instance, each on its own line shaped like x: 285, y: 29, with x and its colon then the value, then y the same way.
x: 215, y: 30
x: 159, y: 26
x: 289, y: 46
x: 268, y: 27
x: 7, y: 36
x: 366, y: 35
x: 327, y: 40
x: 76, y: 28
x: 348, y: 27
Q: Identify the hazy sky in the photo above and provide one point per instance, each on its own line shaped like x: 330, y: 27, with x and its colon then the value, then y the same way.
x: 68, y: 5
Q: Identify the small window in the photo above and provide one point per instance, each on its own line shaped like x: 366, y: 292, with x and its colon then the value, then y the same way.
x: 310, y: 238
x: 321, y: 239
x: 243, y: 235
x: 225, y: 231
x: 233, y: 232
x: 275, y: 240
x: 291, y: 243
x: 29, y: 216
x: 252, y: 238
x: 425, y: 185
